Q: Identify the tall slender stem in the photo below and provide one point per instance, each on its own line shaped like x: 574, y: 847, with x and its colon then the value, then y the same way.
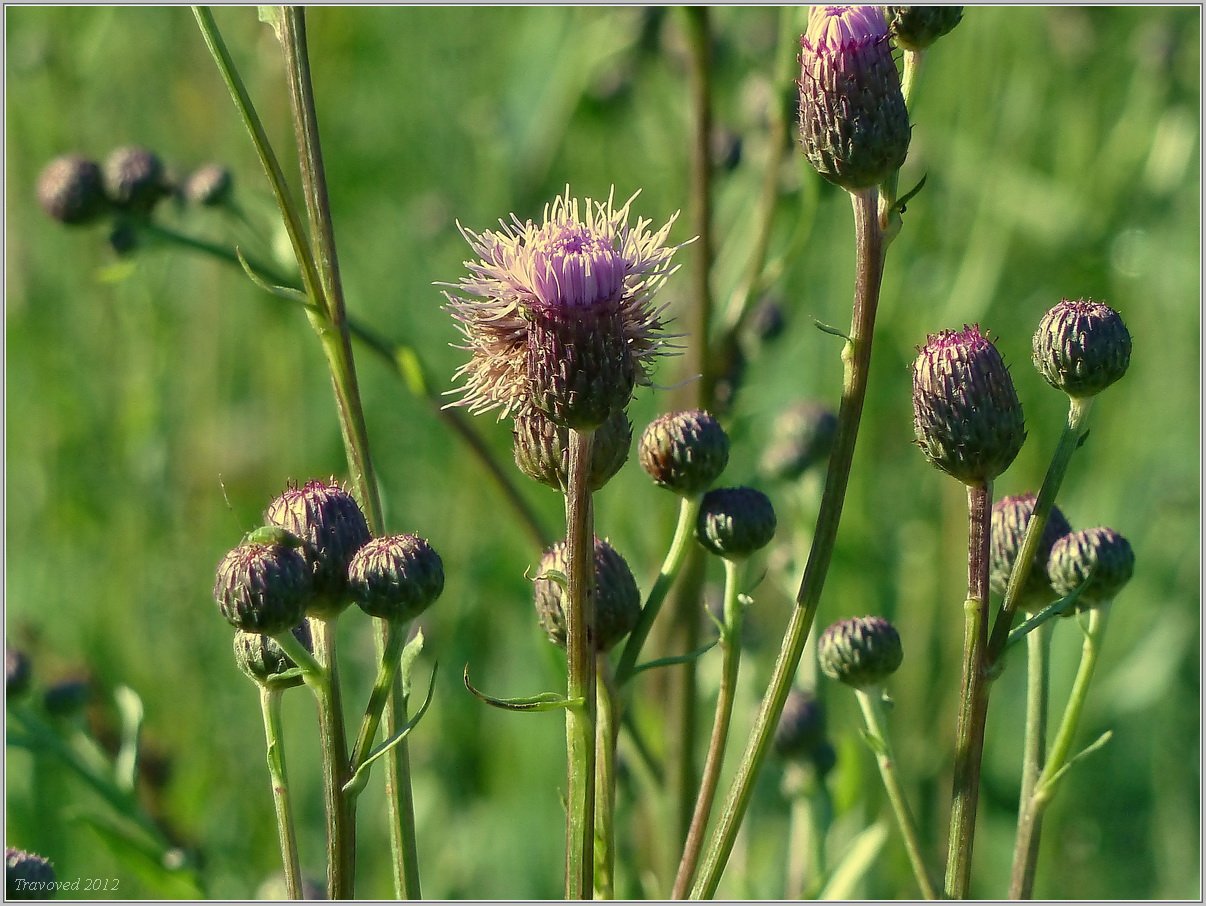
x: 856, y: 358
x: 377, y: 698
x: 270, y: 706
x: 1034, y: 749
x: 341, y: 818
x: 730, y: 646
x: 580, y: 719
x: 869, y: 701
x: 607, y: 729
x: 973, y: 696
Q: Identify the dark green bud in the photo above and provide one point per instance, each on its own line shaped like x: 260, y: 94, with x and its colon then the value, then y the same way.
x: 134, y: 179
x: 1099, y: 554
x: 735, y: 522
x: 853, y: 122
x: 966, y: 415
x: 396, y: 577
x: 17, y: 673
x: 542, y: 449
x: 917, y: 27
x: 801, y: 726
x: 70, y: 190
x: 1010, y: 517
x: 209, y: 185
x: 1081, y: 347
x: 332, y: 528
x: 263, y: 588
x: 684, y: 452
x: 617, y: 598
x: 801, y: 439
x: 860, y: 652
x: 67, y: 697
x: 27, y: 876
x: 262, y: 658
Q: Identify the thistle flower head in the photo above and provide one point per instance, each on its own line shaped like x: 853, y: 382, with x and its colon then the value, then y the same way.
x: 917, y: 27
x: 966, y: 414
x: 853, y: 122
x: 735, y: 522
x: 70, y: 190
x: 617, y: 598
x: 863, y: 651
x: 1081, y: 347
x: 559, y: 315
x: 1010, y: 517
x: 262, y: 658
x: 1100, y: 555
x: 263, y: 587
x: 134, y: 178
x: 27, y: 876
x: 541, y: 449
x: 684, y: 451
x: 209, y: 185
x: 396, y: 577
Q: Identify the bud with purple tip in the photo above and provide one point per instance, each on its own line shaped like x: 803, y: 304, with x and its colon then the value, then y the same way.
x: 541, y: 449
x: 134, y: 179
x: 617, y: 598
x: 27, y: 876
x: 396, y: 577
x: 1081, y: 347
x: 1010, y: 517
x: 684, y: 452
x: 860, y: 652
x: 70, y: 190
x: 1100, y: 555
x: 735, y: 522
x: 917, y: 27
x: 263, y: 587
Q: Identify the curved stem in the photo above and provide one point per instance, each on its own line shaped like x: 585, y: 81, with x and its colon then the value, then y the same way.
x: 973, y: 697
x: 688, y: 510
x: 580, y: 721
x: 606, y: 730
x: 730, y: 646
x: 856, y: 357
x: 340, y: 816
x: 270, y: 707
x: 377, y: 698
x: 869, y: 701
x: 1025, y: 852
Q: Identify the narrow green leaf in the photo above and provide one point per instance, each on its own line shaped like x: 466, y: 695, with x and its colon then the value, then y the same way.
x: 829, y: 329
x: 288, y: 293
x: 1083, y: 753
x: 354, y: 786
x: 544, y: 701
x: 407, y: 661
x: 908, y: 196
x: 874, y: 743
x: 864, y: 849
x: 674, y: 659
x: 130, y: 710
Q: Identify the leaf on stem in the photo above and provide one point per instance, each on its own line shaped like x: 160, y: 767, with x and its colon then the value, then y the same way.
x: 830, y: 329
x: 353, y: 787
x: 407, y: 661
x: 844, y: 883
x: 904, y: 199
x: 675, y: 659
x: 1049, y: 786
x: 544, y: 701
x: 288, y: 293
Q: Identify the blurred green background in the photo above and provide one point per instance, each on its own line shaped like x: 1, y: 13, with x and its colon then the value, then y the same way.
x: 1062, y: 153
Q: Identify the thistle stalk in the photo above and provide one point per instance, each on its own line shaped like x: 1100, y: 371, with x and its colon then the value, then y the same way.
x: 270, y: 707
x: 340, y: 814
x: 607, y: 729
x: 856, y: 359
x: 1034, y: 749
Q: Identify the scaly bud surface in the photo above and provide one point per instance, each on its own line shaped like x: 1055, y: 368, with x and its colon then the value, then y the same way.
x: 1081, y: 347
x: 396, y: 577
x: 684, y: 452
x: 617, y: 598
x: 860, y: 652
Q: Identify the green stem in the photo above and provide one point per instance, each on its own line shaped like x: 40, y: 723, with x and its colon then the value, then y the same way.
x: 856, y: 358
x: 606, y: 730
x: 340, y: 815
x: 377, y: 698
x: 270, y: 706
x: 870, y: 702
x: 1034, y: 747
x: 688, y: 511
x: 908, y: 81
x: 1030, y: 822
x: 973, y: 697
x: 730, y: 646
x: 580, y: 721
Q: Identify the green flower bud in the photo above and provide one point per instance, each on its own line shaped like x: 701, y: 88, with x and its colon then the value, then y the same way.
x: 860, y: 652
x: 617, y: 598
x: 1099, y: 554
x: 684, y: 452
x: 966, y: 415
x: 262, y: 658
x: 853, y: 122
x: 17, y: 673
x: 802, y: 437
x: 332, y: 528
x: 27, y: 876
x: 542, y: 449
x: 735, y: 522
x: 134, y: 179
x: 209, y: 185
x: 70, y: 190
x: 263, y: 588
x: 67, y: 697
x: 1010, y: 517
x: 801, y: 726
x: 1082, y: 347
x: 917, y: 27
x: 396, y: 577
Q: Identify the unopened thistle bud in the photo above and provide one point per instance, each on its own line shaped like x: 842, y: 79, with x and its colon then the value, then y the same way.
x: 966, y: 415
x: 1081, y: 347
x: 684, y: 452
x: 332, y: 528
x: 134, y: 179
x: 853, y: 122
x: 860, y: 652
x: 262, y: 658
x: 802, y: 438
x: 1100, y: 555
x: 17, y: 673
x: 1010, y: 517
x: 263, y: 587
x: 396, y: 577
x: 917, y: 27
x: 209, y: 185
x: 542, y: 449
x: 801, y: 726
x: 70, y: 190
x: 560, y: 315
x: 27, y: 876
x: 735, y: 522
x: 617, y: 598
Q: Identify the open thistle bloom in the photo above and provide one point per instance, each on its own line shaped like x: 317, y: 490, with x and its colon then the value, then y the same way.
x: 854, y: 125
x: 560, y: 315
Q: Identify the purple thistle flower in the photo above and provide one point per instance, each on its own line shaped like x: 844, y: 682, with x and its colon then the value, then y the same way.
x: 559, y: 315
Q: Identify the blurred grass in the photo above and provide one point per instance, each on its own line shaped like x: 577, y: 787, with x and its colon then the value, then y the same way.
x: 1062, y: 153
